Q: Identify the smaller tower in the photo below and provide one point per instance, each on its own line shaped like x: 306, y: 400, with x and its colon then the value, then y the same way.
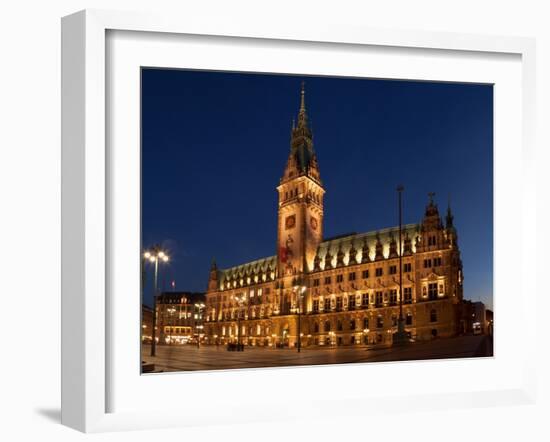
x: 365, y: 251
x: 431, y: 231
x: 213, y: 279
x: 379, y: 249
x: 352, y: 254
x: 393, y: 246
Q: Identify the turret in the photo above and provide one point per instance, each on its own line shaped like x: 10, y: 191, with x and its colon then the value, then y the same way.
x: 213, y: 278
x: 431, y: 231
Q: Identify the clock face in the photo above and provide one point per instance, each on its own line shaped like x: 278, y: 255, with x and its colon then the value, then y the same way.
x: 313, y: 222
x: 290, y: 221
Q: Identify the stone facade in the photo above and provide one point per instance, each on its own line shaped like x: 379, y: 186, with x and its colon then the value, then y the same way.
x: 179, y: 317
x: 343, y: 290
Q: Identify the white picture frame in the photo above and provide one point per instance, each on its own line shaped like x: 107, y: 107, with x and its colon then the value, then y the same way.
x: 86, y: 315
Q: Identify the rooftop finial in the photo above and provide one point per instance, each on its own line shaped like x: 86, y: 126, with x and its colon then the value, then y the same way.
x: 302, y: 116
x: 431, y: 195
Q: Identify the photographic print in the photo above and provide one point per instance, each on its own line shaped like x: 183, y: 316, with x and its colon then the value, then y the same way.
x: 302, y: 220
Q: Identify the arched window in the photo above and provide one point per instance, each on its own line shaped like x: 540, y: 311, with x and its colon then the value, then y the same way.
x: 316, y: 327
x: 339, y: 324
x: 433, y: 316
x: 327, y: 326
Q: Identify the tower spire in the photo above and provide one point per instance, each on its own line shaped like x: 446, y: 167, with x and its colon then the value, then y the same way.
x: 302, y: 115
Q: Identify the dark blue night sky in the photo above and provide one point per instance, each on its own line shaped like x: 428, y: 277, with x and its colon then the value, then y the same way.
x: 214, y: 146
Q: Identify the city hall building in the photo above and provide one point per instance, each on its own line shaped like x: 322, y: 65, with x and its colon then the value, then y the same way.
x: 337, y: 291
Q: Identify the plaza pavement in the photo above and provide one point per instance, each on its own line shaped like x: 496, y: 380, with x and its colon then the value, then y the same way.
x: 189, y: 357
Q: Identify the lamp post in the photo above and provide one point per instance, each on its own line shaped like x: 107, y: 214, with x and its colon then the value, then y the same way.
x: 199, y: 306
x: 240, y: 300
x: 299, y: 289
x: 400, y: 336
x: 155, y: 255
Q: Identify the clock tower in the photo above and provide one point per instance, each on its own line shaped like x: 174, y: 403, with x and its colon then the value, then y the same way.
x: 300, y: 206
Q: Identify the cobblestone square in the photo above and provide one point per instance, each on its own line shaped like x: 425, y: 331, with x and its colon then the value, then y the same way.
x: 172, y: 358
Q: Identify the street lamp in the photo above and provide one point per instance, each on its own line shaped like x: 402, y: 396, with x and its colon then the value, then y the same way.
x: 155, y: 255
x: 400, y: 336
x: 199, y: 306
x: 299, y: 289
x: 240, y: 299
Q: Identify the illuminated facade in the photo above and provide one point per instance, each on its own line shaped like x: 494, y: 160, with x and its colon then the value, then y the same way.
x: 346, y: 288
x: 179, y: 317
